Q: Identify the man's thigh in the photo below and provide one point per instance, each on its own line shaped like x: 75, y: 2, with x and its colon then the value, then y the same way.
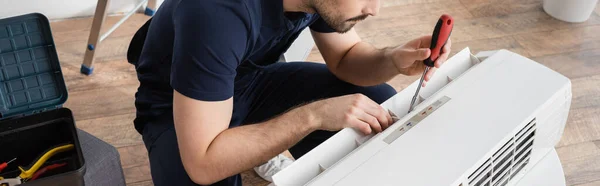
x: 283, y: 86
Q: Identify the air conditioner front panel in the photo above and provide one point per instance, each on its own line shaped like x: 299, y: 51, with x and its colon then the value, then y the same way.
x: 496, y: 98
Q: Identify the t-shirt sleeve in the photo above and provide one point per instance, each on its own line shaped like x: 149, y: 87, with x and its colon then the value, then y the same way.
x: 210, y: 42
x: 321, y: 26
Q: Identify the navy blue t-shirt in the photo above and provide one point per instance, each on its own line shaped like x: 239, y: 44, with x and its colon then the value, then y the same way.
x: 196, y: 47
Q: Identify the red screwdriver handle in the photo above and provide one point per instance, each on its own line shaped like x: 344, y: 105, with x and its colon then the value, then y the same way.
x: 440, y: 36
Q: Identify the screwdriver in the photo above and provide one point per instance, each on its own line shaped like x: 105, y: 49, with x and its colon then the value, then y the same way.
x: 440, y: 36
x: 5, y: 164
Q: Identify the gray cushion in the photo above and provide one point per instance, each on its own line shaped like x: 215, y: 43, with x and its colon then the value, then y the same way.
x: 102, y: 161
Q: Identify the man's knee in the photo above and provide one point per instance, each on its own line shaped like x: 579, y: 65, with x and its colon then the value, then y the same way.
x: 166, y: 165
x: 378, y: 93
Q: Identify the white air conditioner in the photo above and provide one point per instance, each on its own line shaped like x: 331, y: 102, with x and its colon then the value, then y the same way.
x: 485, y: 120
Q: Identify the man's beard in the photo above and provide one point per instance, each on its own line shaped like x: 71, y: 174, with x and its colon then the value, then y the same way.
x: 333, y: 18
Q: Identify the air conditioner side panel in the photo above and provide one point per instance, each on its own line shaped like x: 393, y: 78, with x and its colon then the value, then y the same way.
x: 552, y: 119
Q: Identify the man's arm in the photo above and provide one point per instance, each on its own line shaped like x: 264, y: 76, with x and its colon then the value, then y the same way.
x: 370, y: 66
x: 360, y: 63
x: 211, y: 152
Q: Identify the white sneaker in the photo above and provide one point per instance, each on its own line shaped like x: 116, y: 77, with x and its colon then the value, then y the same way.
x: 273, y: 166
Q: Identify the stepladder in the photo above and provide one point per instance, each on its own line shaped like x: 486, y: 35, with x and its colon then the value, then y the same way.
x: 95, y: 39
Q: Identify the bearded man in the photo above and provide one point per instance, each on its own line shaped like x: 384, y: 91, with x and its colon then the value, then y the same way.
x: 215, y: 100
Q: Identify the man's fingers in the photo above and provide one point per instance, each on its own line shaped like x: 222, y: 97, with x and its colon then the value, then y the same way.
x: 441, y: 60
x: 425, y: 41
x: 371, y: 120
x: 383, y: 118
x: 430, y: 73
x: 375, y: 110
x: 421, y: 53
x: 361, y: 126
x: 445, y: 52
x: 448, y: 45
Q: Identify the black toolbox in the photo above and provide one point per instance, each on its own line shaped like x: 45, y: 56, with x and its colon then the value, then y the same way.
x: 32, y: 91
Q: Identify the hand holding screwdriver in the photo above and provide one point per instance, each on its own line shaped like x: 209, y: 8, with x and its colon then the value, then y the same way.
x: 439, y: 39
x: 409, y: 58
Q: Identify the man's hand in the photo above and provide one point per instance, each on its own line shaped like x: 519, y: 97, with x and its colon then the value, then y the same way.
x: 356, y: 111
x: 409, y: 57
x: 359, y: 63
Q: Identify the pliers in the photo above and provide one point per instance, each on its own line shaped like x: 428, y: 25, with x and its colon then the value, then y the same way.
x: 46, y: 168
x: 26, y: 175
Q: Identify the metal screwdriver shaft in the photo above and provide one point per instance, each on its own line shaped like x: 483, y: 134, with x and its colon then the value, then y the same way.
x: 414, y: 99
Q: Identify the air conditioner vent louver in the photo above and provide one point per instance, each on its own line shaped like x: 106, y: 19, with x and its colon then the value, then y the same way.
x: 507, y: 161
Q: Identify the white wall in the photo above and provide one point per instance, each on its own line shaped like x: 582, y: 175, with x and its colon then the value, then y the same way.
x: 63, y: 9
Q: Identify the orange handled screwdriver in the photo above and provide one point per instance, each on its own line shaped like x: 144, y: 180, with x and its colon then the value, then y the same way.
x: 5, y: 164
x: 440, y: 36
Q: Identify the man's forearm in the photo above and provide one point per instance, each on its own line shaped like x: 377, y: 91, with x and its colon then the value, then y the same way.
x: 241, y: 148
x: 366, y: 65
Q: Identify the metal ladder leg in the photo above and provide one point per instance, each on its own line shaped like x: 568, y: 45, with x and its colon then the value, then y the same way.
x: 94, y: 39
